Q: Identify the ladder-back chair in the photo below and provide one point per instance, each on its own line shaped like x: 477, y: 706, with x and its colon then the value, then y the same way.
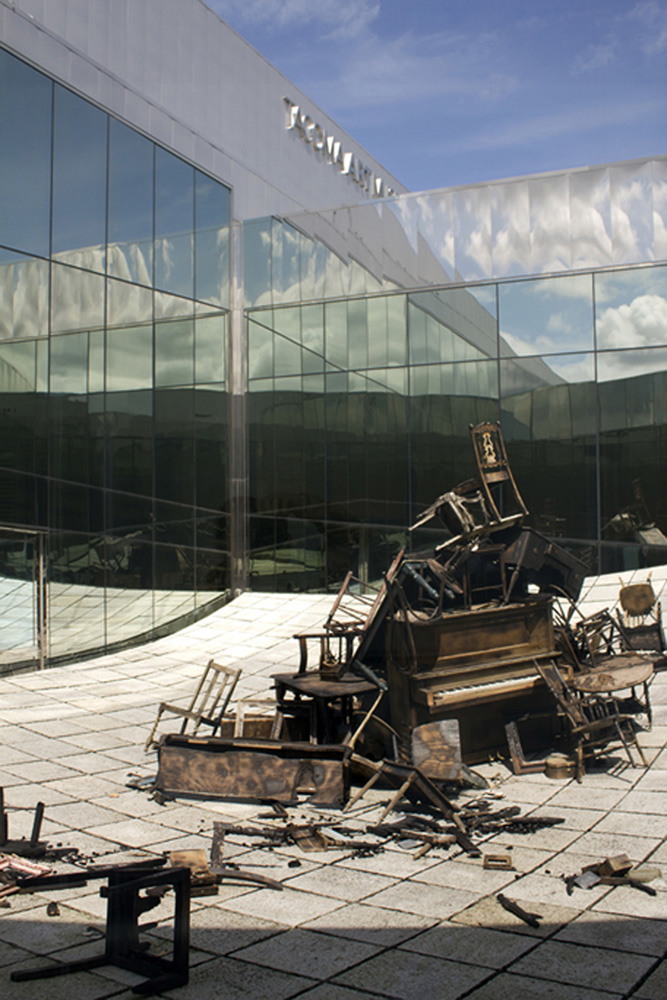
x: 207, y: 705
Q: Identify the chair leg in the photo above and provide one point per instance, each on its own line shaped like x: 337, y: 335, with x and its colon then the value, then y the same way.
x: 151, y: 741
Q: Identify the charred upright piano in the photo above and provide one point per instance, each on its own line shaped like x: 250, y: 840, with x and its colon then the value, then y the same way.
x: 476, y: 665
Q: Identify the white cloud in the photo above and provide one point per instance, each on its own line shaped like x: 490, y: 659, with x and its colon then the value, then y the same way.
x: 652, y: 16
x: 642, y: 323
x: 596, y: 56
x: 409, y: 67
x: 531, y: 130
x: 338, y: 18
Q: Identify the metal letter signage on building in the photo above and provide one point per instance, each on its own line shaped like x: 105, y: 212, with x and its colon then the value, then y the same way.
x: 316, y: 135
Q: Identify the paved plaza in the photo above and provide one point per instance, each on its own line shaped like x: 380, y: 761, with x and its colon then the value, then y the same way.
x: 384, y: 925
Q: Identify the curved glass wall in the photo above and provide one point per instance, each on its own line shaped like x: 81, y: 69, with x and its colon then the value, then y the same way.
x: 114, y: 298
x: 359, y: 412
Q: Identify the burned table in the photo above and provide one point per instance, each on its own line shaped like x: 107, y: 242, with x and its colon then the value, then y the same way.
x: 327, y: 702
x: 625, y: 671
x: 123, y: 947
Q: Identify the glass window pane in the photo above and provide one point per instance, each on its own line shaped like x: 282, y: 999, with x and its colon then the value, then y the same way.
x: 174, y: 224
x: 257, y: 262
x: 130, y: 358
x: 633, y: 457
x: 79, y: 181
x: 174, y: 352
x: 130, y: 254
x: 260, y: 349
x: 210, y: 346
x: 212, y: 240
x: 548, y: 316
x: 24, y: 296
x: 17, y: 366
x: 77, y: 300
x: 128, y: 305
x: 631, y: 308
x: 68, y: 370
x: 25, y: 160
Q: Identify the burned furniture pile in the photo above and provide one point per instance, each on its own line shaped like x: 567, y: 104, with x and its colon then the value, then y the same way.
x: 464, y: 644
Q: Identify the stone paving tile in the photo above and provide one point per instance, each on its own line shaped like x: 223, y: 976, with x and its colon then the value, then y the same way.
x: 513, y: 987
x: 458, y: 943
x: 471, y: 877
x: 216, y: 930
x: 83, y: 740
x: 41, y: 770
x: 308, y: 953
x: 33, y: 930
x: 372, y: 924
x: 234, y: 980
x: 129, y: 832
x: 88, y: 763
x: 632, y: 824
x: 581, y: 965
x: 655, y: 986
x: 632, y: 903
x: 584, y: 796
x: 645, y: 801
x: 488, y: 912
x: 81, y: 815
x: 427, y: 900
x: 607, y: 844
x: 609, y: 930
x: 83, y: 786
x: 340, y: 883
x: 329, y: 991
x: 534, y: 891
x: 524, y: 859
x: 289, y: 907
x: 409, y: 976
x: 573, y: 818
x: 392, y: 862
x: 82, y: 985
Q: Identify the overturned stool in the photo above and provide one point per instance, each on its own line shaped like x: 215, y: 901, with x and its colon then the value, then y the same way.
x: 124, y: 907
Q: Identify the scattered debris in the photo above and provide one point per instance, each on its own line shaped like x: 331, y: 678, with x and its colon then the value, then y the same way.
x: 499, y: 862
x: 532, y: 919
x: 617, y: 870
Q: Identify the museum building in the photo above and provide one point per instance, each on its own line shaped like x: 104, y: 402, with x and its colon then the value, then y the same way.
x: 235, y: 351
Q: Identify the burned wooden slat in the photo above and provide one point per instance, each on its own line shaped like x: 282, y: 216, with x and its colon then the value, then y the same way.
x: 519, y: 763
x: 252, y: 769
x: 532, y: 919
x: 436, y: 750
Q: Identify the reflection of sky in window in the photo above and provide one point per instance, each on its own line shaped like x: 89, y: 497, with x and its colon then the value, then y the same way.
x: 547, y: 316
x: 628, y: 364
x: 573, y: 367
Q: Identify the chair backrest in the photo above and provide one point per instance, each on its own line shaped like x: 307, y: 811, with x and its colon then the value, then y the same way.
x: 213, y: 692
x: 566, y: 701
x: 637, y: 599
x: 494, y: 470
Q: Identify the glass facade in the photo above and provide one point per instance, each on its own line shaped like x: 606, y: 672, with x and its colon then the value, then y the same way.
x: 364, y: 340
x: 359, y: 410
x: 114, y: 301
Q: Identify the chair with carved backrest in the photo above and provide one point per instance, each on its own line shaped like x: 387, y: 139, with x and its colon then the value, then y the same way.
x: 640, y: 620
x: 501, y: 493
x: 593, y: 721
x: 207, y: 705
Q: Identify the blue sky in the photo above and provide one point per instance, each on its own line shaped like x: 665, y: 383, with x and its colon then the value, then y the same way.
x: 446, y: 92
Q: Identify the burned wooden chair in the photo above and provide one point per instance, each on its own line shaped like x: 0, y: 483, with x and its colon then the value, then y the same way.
x: 488, y: 503
x: 639, y: 621
x: 208, y: 704
x: 605, y: 665
x: 593, y: 720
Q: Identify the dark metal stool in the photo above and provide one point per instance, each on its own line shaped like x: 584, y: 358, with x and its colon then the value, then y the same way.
x: 124, y: 907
